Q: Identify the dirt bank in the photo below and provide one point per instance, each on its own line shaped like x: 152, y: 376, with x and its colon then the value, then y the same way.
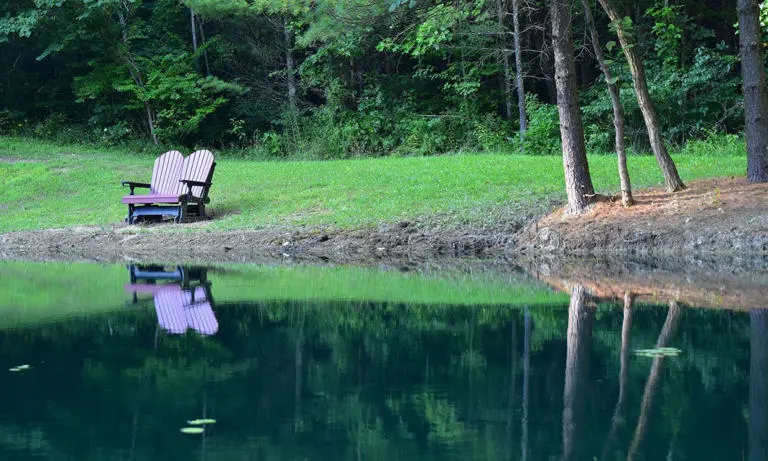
x: 722, y: 216
x: 727, y: 216
x: 404, y: 240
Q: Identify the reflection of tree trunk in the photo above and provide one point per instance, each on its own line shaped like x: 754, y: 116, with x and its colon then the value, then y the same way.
x: 626, y: 327
x: 579, y: 337
x: 636, y: 68
x: 758, y: 385
x: 511, y: 388
x: 298, y: 360
x: 654, y: 377
x: 526, y: 381
x: 618, y: 110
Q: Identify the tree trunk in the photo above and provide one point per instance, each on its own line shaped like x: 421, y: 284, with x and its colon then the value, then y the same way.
x: 501, y: 12
x: 519, y: 70
x: 667, y: 165
x: 579, y: 338
x: 134, y: 70
x: 205, y: 51
x: 618, y: 110
x: 755, y: 92
x: 194, y: 38
x: 289, y: 65
x: 578, y: 183
x: 654, y: 377
x: 758, y: 385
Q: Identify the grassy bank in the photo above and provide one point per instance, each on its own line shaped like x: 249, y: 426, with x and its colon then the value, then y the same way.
x: 44, y: 185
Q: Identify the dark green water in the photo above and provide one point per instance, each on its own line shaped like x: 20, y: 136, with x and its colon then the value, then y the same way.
x: 367, y: 364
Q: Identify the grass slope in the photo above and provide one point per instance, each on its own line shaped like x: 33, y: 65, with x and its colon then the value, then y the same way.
x: 44, y: 185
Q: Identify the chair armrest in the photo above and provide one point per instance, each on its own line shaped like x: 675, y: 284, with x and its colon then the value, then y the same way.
x: 132, y: 185
x: 191, y: 183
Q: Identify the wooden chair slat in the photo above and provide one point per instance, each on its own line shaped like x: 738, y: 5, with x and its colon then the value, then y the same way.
x: 166, y: 172
x: 197, y: 168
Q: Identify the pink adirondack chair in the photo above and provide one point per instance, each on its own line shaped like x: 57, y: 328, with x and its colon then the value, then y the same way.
x: 178, y: 188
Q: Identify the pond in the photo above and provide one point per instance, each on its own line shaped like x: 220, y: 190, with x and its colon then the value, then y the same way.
x: 274, y: 362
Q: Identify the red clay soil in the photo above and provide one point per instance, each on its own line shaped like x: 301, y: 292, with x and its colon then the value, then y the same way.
x: 711, y: 216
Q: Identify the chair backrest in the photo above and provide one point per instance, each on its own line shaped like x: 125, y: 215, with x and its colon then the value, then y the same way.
x: 166, y: 174
x: 198, y: 167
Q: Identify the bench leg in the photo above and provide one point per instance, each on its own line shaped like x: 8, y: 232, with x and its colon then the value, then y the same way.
x: 130, y: 218
x: 182, y: 215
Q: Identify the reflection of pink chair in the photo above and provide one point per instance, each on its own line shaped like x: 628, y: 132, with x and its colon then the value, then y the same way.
x: 199, y: 313
x: 178, y: 309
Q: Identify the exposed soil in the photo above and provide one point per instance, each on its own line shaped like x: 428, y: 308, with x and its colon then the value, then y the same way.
x: 720, y: 216
x: 404, y: 241
x: 727, y: 216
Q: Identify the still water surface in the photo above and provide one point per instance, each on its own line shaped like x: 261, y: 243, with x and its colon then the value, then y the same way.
x: 335, y: 363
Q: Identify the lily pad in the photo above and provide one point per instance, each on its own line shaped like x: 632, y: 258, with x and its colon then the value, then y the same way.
x: 658, y: 352
x: 192, y: 430
x: 201, y: 422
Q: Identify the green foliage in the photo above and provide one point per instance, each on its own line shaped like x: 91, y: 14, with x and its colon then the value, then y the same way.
x: 384, y: 77
x: 543, y: 135
x: 691, y: 102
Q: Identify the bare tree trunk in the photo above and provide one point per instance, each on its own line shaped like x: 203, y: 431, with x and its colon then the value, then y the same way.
x: 618, y: 110
x: 500, y: 13
x: 626, y: 328
x: 205, y: 51
x: 289, y: 65
x: 755, y: 92
x: 667, y: 165
x: 758, y: 385
x: 578, y: 183
x: 579, y: 338
x: 519, y: 69
x: 194, y: 38
x: 133, y: 69
x: 654, y: 377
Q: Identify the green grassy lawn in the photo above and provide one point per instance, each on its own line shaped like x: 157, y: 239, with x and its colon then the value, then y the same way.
x: 44, y: 185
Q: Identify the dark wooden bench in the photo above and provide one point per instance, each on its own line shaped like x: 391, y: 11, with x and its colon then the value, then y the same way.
x: 179, y: 188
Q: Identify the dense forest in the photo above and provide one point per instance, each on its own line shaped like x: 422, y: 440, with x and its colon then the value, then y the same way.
x: 320, y: 79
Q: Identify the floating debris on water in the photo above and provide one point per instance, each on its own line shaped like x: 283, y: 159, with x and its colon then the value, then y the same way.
x: 192, y: 430
x: 20, y: 368
x: 201, y: 422
x: 658, y: 352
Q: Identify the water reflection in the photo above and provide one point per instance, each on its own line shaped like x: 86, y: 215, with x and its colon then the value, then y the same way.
x: 181, y: 296
x: 360, y: 377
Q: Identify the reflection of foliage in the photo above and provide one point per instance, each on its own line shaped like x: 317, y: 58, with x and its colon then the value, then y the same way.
x: 374, y: 378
